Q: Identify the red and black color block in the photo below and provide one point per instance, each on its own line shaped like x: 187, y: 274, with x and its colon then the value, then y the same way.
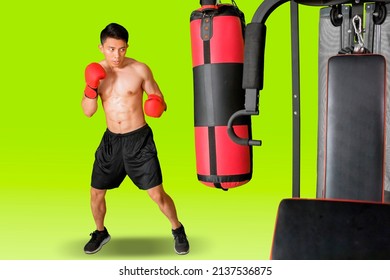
x: 217, y: 41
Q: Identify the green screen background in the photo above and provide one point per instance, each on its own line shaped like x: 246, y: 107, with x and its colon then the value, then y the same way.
x: 47, y: 144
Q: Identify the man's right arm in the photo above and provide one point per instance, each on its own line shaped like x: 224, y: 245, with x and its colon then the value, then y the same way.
x: 94, y: 72
x: 89, y: 106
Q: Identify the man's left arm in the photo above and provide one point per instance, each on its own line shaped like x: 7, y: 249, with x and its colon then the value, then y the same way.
x: 155, y: 104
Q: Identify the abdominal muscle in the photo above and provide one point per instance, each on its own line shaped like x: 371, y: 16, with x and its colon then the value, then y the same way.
x: 124, y: 113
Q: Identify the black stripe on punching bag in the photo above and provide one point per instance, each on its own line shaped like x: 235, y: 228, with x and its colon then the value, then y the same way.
x: 212, y: 151
x: 206, y: 51
x: 217, y: 95
x: 224, y: 179
x: 206, y: 34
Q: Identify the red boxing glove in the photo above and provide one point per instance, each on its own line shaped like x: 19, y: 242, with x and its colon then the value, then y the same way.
x: 154, y: 106
x: 94, y: 72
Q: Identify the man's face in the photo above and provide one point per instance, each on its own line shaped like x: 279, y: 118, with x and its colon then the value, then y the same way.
x: 114, y: 51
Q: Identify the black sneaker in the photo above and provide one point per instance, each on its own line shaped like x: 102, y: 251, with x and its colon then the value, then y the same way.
x: 182, y: 246
x: 99, y: 238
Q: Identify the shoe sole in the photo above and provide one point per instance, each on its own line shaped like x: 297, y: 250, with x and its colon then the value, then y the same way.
x: 182, y: 253
x: 105, y: 240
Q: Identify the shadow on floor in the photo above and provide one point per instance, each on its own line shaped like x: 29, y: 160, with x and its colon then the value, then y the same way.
x: 132, y: 247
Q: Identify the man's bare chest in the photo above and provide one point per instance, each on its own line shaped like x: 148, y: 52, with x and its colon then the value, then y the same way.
x: 121, y: 85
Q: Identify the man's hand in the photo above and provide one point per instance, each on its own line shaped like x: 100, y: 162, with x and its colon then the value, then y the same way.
x: 94, y: 72
x: 154, y: 106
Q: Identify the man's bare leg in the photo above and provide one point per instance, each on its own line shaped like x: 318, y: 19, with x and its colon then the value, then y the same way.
x: 98, y: 207
x: 167, y: 207
x: 100, y: 236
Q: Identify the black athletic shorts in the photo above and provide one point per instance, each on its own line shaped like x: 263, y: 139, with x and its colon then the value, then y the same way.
x: 133, y: 154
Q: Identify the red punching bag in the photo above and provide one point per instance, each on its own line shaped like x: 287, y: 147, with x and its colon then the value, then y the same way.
x: 217, y: 42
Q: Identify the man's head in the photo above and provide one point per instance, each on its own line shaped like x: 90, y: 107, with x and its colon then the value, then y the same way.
x: 113, y: 44
x: 115, y: 31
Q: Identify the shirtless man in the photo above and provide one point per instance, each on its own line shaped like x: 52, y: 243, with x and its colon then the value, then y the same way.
x: 127, y: 146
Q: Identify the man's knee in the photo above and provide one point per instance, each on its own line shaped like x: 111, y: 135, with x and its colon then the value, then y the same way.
x: 97, y: 195
x: 157, y: 194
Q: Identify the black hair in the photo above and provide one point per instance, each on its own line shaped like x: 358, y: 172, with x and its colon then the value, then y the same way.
x: 116, y: 31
